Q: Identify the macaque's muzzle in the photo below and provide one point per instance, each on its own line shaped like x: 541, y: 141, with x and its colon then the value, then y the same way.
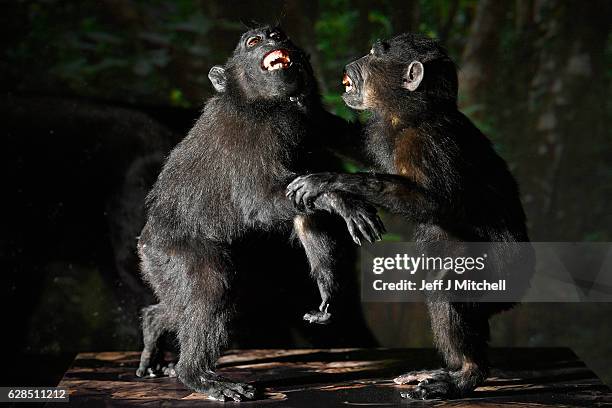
x: 353, y: 82
x: 276, y: 59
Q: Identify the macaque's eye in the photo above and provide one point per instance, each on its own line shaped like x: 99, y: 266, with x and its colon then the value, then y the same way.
x: 277, y: 35
x: 253, y: 41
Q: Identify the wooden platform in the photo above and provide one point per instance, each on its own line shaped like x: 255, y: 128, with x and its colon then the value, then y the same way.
x: 341, y: 377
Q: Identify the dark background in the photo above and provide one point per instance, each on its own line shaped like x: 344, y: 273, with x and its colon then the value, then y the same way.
x: 95, y: 93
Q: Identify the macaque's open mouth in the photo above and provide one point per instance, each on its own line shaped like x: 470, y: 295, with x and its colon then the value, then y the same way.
x: 276, y: 59
x: 347, y: 82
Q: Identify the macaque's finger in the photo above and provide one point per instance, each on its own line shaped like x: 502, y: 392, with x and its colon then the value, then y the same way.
x: 290, y: 195
x: 351, y: 228
x: 232, y: 394
x: 249, y: 389
x: 217, y: 395
x: 297, y: 199
x: 295, y: 183
x: 381, y: 225
x: 244, y: 389
x: 364, y: 229
x: 290, y: 191
x: 408, y: 378
x: 378, y: 226
x: 373, y: 227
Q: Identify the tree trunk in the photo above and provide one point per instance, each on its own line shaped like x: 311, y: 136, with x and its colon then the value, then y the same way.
x: 447, y: 25
x: 299, y: 22
x: 567, y: 102
x: 478, y: 60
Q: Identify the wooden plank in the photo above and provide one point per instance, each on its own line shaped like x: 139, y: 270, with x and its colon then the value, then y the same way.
x: 341, y: 377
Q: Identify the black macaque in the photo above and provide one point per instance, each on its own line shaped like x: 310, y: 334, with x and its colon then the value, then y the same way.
x: 226, y: 180
x: 437, y: 169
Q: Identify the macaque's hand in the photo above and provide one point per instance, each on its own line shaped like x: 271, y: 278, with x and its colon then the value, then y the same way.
x: 360, y: 217
x: 304, y: 190
x: 316, y: 192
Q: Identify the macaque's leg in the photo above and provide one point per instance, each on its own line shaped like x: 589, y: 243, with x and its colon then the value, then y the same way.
x: 203, y: 326
x: 461, y: 332
x: 154, y: 324
x: 319, y: 247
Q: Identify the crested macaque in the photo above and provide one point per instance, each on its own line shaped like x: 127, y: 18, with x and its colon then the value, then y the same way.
x: 225, y: 182
x: 434, y: 167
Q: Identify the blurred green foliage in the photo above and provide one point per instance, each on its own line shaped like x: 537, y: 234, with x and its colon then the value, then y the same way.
x: 158, y: 52
x: 137, y: 47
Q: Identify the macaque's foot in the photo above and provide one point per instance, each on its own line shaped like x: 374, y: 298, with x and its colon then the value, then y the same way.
x: 150, y: 362
x: 158, y: 370
x: 218, y: 388
x: 228, y: 391
x: 318, y: 317
x: 321, y: 316
x: 430, y: 384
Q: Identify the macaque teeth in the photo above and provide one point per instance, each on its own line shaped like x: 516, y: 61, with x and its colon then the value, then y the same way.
x: 347, y: 82
x: 276, y: 59
x: 278, y: 64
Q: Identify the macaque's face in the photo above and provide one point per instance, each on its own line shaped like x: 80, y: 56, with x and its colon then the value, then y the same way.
x: 371, y: 79
x: 393, y: 73
x: 266, y: 64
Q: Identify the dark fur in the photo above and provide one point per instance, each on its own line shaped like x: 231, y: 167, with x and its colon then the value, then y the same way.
x: 436, y: 168
x: 226, y: 182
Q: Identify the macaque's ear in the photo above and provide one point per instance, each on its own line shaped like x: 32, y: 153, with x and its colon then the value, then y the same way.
x: 217, y: 78
x: 413, y: 76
